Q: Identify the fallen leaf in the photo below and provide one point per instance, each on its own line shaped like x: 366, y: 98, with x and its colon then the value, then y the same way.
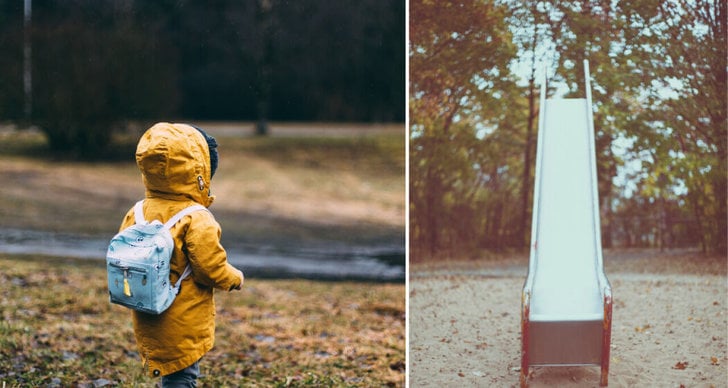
x: 643, y: 328
x: 680, y: 365
x: 398, y: 366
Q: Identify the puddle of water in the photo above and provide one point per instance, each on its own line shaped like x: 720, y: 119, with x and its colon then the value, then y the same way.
x: 384, y: 264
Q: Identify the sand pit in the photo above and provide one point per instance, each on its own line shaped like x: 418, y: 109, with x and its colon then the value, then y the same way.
x: 670, y: 324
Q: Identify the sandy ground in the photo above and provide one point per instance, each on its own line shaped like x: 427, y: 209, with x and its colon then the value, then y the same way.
x: 669, y: 329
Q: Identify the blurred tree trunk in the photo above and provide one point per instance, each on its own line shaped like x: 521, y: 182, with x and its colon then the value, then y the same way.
x: 264, y: 62
x: 432, y: 210
x: 607, y: 221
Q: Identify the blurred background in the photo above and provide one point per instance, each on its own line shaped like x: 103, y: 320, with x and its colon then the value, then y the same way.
x: 659, y: 91
x: 99, y: 64
x: 321, y: 84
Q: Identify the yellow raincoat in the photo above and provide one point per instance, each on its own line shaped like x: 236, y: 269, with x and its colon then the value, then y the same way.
x: 175, y: 163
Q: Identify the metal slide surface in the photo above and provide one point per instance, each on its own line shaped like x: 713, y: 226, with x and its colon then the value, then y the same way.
x: 566, y: 246
x: 566, y: 309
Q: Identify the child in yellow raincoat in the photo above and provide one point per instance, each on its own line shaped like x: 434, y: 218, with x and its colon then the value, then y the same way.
x: 177, y: 162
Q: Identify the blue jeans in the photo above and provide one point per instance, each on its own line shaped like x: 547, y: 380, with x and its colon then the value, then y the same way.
x: 184, y: 378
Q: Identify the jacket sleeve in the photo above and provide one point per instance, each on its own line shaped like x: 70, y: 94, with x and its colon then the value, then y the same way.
x: 207, y: 256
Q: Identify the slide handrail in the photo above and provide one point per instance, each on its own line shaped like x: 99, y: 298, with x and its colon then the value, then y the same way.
x: 603, y: 281
x: 537, y: 187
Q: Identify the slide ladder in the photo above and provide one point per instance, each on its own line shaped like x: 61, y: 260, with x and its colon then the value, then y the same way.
x: 566, y: 310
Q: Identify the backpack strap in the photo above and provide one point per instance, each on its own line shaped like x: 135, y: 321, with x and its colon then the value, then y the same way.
x: 186, y: 211
x: 186, y: 273
x: 172, y: 222
x: 139, y: 213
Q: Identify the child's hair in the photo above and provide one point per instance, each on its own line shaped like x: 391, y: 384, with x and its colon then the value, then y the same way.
x: 212, y: 146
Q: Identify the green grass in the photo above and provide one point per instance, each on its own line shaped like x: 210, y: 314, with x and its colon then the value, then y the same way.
x: 58, y: 329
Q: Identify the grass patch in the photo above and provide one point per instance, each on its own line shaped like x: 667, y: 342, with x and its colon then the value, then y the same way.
x: 58, y: 329
x: 25, y: 142
x: 32, y: 142
x: 382, y: 154
x: 269, y: 189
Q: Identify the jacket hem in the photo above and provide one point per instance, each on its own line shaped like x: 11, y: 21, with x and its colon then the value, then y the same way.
x: 155, y: 369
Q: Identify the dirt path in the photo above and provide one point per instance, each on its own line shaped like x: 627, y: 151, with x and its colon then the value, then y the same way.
x: 670, y: 325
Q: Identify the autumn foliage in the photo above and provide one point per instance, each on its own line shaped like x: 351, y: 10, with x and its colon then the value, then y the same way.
x: 658, y: 74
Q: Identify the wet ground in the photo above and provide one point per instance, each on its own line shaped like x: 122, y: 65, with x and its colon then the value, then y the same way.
x: 383, y: 263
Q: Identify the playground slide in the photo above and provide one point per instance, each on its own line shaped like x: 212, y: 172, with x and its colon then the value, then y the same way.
x: 566, y: 316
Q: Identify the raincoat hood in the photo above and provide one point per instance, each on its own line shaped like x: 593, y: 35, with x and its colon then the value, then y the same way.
x: 174, y: 160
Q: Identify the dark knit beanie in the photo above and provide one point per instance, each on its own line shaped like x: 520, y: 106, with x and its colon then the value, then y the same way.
x: 212, y: 146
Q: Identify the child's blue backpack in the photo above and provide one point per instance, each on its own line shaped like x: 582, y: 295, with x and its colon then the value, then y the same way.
x: 137, y: 263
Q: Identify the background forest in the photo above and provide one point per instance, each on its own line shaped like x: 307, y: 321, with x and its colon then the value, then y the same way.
x: 96, y: 65
x: 659, y: 89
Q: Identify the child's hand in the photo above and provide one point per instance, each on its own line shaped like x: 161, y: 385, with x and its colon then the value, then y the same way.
x: 242, y: 280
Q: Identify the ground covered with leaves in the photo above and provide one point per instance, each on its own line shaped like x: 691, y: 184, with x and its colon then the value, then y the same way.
x: 57, y: 328
x: 669, y: 328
